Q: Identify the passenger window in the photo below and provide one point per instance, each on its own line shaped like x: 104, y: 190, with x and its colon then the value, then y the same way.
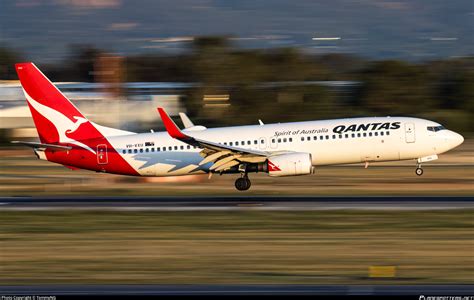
x: 358, y: 135
x: 188, y: 147
x: 376, y: 133
x: 262, y: 141
x: 346, y: 135
x: 387, y: 133
x: 370, y: 133
x: 129, y: 150
x: 340, y: 136
x: 182, y: 147
x: 255, y: 142
x: 231, y: 144
x: 315, y: 137
x: 308, y: 138
x: 333, y: 136
x: 237, y: 143
x: 381, y: 133
x: 124, y: 151
x: 290, y: 139
x: 135, y: 151
x: 327, y: 137
x: 353, y: 135
x: 365, y: 134
x: 279, y: 140
x: 170, y: 148
x: 302, y: 138
x: 249, y: 142
x: 147, y: 150
x: 284, y: 140
x: 141, y: 150
x: 158, y: 149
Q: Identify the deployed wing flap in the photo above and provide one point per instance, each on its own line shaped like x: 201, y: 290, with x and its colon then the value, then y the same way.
x: 227, y: 165
x: 213, y: 157
x: 224, y: 161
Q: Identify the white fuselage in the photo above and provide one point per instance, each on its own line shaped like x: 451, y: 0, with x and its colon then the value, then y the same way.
x: 330, y: 142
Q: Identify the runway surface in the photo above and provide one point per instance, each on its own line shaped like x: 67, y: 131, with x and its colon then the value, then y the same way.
x: 441, y: 290
x: 235, y: 203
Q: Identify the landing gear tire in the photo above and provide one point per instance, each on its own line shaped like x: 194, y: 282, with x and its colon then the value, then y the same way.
x: 242, y: 184
x: 419, y: 171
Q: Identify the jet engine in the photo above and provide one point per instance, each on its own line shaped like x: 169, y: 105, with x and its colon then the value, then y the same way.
x: 290, y: 164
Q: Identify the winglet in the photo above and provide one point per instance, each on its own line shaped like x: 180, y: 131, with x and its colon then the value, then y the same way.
x: 186, y: 121
x: 170, y: 126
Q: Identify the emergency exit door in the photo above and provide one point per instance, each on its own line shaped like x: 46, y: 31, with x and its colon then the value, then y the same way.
x: 102, y: 158
x: 409, y: 132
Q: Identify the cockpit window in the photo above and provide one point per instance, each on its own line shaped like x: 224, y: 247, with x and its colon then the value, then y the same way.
x: 435, y: 128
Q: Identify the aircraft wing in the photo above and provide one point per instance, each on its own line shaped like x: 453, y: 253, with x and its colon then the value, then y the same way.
x: 223, y: 156
x: 43, y: 146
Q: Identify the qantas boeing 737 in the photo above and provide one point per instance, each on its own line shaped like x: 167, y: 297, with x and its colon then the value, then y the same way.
x: 67, y: 137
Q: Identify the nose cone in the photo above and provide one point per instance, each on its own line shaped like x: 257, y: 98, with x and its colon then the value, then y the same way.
x: 455, y: 139
x: 459, y: 139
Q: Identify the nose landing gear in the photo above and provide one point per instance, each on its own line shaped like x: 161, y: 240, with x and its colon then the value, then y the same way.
x: 418, y: 170
x: 243, y: 183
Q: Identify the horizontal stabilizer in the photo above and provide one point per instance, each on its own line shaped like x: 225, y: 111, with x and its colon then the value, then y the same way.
x: 43, y: 146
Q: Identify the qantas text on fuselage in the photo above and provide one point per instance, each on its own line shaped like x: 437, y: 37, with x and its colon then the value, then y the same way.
x: 67, y: 137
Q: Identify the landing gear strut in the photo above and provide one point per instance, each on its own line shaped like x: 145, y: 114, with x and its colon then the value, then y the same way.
x: 243, y: 183
x: 418, y: 170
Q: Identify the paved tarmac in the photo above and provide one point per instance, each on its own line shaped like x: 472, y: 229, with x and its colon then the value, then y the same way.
x: 235, y: 203
x: 426, y: 290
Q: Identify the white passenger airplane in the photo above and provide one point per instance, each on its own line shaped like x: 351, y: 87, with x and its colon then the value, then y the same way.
x: 283, y: 149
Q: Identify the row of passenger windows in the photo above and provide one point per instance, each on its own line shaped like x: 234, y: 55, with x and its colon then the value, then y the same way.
x: 346, y: 135
x: 158, y: 149
x: 262, y: 141
x: 243, y: 143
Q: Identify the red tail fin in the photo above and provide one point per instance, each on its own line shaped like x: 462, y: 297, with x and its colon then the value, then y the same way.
x: 56, y: 118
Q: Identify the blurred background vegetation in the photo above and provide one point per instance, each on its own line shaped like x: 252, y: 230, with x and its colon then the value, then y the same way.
x: 278, y: 85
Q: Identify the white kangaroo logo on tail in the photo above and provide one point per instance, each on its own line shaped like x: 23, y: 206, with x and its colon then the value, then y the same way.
x: 79, y: 122
x: 62, y: 123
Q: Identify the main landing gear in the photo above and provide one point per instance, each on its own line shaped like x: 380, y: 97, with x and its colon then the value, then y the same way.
x: 243, y: 183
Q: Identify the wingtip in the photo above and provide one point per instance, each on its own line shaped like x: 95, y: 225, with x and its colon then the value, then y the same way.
x: 21, y: 65
x: 170, y: 126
